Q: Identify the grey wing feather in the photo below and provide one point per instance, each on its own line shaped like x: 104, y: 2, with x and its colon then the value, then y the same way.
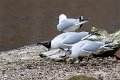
x: 65, y: 24
x: 91, y: 47
x: 72, y: 39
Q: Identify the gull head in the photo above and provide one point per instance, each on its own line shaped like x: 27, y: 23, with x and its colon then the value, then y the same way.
x: 68, y: 52
x: 47, y: 44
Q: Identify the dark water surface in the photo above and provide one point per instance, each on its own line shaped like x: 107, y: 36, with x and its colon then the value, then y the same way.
x: 25, y: 22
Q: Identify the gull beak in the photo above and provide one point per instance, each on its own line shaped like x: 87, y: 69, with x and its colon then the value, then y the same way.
x: 62, y: 49
x: 39, y: 43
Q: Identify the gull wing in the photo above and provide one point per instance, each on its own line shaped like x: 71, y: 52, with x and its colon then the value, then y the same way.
x: 66, y: 24
x: 91, y: 47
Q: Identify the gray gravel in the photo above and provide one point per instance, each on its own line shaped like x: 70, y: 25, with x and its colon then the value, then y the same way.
x: 26, y: 64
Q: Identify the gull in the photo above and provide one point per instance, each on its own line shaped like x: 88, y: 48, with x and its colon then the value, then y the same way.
x: 85, y: 48
x: 70, y: 24
x: 66, y: 40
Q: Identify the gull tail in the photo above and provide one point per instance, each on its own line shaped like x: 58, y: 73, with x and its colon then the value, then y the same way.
x: 82, y: 21
x: 81, y: 18
x: 90, y: 34
x: 108, y: 46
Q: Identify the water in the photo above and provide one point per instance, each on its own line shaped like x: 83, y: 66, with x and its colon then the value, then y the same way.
x: 25, y: 22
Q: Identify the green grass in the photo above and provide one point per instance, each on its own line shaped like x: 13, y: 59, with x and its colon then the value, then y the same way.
x: 81, y: 78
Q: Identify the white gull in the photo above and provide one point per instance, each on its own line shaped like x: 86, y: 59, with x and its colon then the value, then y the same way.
x: 66, y: 40
x: 70, y: 24
x: 86, y: 48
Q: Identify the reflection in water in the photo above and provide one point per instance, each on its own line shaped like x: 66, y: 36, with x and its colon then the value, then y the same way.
x: 30, y: 21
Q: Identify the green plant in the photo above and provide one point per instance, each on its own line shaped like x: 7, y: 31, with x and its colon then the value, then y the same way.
x: 81, y: 77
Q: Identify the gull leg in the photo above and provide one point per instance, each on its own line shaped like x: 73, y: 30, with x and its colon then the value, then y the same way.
x: 80, y: 58
x: 90, y: 57
x: 64, y: 57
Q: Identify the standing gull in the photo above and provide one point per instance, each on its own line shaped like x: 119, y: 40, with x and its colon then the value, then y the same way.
x: 70, y: 24
x: 65, y: 40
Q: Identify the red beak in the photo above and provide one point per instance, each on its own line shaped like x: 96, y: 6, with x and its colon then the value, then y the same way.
x: 61, y: 48
x: 39, y: 43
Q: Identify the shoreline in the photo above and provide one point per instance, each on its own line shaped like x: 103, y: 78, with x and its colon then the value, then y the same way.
x: 25, y: 63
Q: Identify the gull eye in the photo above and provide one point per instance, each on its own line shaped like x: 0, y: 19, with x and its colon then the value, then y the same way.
x: 47, y: 43
x: 69, y: 52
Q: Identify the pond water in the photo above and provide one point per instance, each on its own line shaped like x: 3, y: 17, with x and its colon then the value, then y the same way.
x: 25, y: 22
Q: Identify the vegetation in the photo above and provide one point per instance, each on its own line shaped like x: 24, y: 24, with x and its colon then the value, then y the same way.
x: 81, y: 78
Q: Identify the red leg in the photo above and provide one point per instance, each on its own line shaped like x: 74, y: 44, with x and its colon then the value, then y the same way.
x: 64, y: 57
x: 80, y: 58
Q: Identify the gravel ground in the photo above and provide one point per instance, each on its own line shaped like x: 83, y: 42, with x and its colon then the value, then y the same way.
x: 26, y: 64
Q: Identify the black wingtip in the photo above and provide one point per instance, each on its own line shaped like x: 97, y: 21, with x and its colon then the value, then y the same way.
x: 108, y: 42
x: 81, y: 25
x: 94, y: 33
x: 81, y: 18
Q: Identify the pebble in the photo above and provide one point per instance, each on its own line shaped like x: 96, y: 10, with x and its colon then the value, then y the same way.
x: 117, y: 54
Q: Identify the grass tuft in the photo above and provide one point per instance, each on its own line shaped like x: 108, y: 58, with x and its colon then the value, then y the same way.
x: 81, y: 77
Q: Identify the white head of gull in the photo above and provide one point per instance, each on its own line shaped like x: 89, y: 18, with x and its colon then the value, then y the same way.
x: 65, y: 40
x: 70, y: 24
